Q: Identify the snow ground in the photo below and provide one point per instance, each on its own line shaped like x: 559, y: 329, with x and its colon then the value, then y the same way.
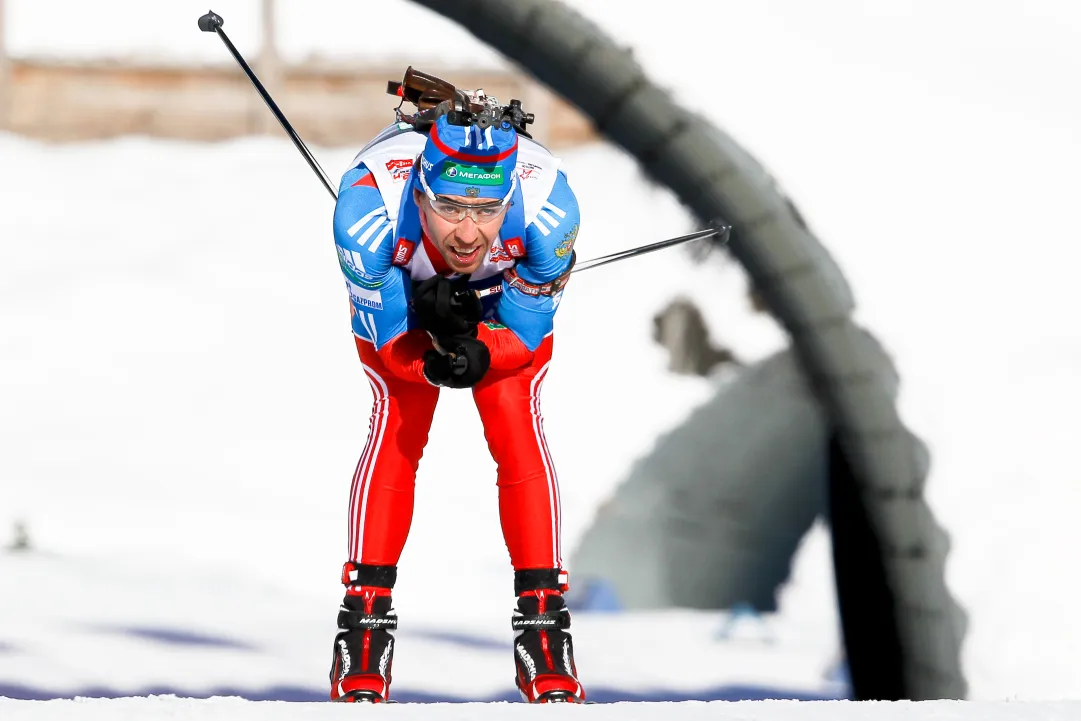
x: 178, y: 388
x: 138, y: 629
x: 239, y: 710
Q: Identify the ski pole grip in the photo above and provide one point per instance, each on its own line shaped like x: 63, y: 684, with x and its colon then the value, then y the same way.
x: 210, y: 22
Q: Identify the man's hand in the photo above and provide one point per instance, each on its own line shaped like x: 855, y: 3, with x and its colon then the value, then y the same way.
x: 462, y: 366
x: 447, y: 308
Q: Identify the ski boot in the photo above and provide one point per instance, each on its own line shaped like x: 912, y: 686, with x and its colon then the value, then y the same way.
x: 543, y: 653
x: 364, y: 648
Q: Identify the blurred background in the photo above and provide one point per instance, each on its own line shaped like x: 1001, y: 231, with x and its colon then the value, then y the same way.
x: 181, y: 407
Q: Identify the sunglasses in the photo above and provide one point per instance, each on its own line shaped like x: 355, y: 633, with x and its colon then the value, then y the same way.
x: 455, y: 212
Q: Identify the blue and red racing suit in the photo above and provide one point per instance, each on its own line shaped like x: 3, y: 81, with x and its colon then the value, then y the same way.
x: 520, y: 283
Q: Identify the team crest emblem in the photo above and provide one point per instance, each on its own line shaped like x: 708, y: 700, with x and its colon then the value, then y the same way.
x: 564, y: 249
x: 472, y: 192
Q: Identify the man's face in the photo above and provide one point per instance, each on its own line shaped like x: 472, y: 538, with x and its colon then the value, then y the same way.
x: 462, y: 243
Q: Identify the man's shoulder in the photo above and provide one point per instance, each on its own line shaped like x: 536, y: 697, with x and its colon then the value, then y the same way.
x: 554, y: 225
x: 381, y: 170
x: 395, y: 132
x: 391, y: 144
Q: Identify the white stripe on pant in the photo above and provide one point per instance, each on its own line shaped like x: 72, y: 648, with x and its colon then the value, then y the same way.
x: 366, y: 465
x: 549, y: 467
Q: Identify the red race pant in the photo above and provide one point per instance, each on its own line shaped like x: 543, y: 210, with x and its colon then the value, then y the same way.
x: 381, y: 500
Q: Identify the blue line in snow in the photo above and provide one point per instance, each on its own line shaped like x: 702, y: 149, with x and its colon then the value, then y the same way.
x: 462, y: 639
x: 177, y: 637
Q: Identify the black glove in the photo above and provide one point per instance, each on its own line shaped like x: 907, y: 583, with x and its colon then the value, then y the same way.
x: 466, y: 362
x: 447, y: 308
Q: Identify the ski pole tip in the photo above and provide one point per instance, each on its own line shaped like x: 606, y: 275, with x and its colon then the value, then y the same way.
x: 210, y: 22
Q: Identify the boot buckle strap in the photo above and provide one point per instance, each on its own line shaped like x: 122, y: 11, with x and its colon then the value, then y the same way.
x: 361, y: 574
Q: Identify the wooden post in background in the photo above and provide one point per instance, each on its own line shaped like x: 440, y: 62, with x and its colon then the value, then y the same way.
x: 6, y: 90
x: 537, y: 99
x: 269, y: 69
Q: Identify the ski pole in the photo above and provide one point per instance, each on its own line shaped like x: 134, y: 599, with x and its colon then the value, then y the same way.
x: 717, y: 229
x: 211, y: 23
